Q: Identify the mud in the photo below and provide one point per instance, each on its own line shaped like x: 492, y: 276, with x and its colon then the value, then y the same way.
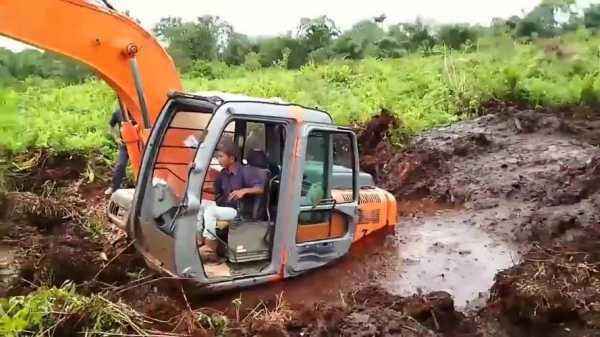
x: 556, y: 288
x: 446, y: 251
x: 536, y: 172
x: 473, y: 197
x: 370, y: 311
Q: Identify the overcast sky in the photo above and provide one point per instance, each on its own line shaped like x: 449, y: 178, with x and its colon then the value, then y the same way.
x: 272, y: 17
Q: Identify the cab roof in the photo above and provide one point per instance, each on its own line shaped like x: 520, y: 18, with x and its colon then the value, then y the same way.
x: 228, y: 97
x: 309, y: 114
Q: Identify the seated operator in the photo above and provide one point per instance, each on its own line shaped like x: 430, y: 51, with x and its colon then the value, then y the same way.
x: 233, y: 183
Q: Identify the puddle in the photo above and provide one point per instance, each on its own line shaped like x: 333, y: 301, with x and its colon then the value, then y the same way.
x: 447, y: 251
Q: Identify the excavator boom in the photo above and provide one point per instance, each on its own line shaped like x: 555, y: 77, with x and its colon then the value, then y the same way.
x: 127, y: 57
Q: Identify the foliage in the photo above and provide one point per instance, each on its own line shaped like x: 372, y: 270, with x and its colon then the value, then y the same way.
x: 360, y: 41
x: 456, y: 36
x: 252, y: 61
x: 47, y: 311
x: 422, y: 91
x: 27, y: 63
x: 238, y: 46
x: 49, y: 114
x: 192, y: 44
x: 317, y: 33
x: 591, y: 16
x: 189, y: 41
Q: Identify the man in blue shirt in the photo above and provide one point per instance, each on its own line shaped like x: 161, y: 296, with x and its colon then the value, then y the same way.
x: 233, y: 183
x: 121, y: 168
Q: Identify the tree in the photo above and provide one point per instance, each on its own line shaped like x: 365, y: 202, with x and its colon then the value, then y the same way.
x: 388, y: 47
x: 419, y: 35
x: 252, y: 61
x: 559, y: 4
x: 539, y: 22
x: 165, y: 27
x: 399, y: 34
x: 31, y: 62
x: 360, y: 41
x: 271, y: 51
x: 317, y: 33
x: 455, y: 36
x: 190, y: 41
x: 591, y: 17
x: 238, y: 46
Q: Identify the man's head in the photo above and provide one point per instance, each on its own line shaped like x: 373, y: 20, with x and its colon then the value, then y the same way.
x: 227, y: 154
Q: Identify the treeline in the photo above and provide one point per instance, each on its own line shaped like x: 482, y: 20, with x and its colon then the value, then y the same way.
x: 15, y: 67
x: 194, y: 45
x: 319, y: 40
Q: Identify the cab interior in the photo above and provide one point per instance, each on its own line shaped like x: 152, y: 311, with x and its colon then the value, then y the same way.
x: 245, y: 243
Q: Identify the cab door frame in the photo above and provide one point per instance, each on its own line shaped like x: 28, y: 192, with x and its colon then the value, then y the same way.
x: 305, y: 256
x: 187, y: 259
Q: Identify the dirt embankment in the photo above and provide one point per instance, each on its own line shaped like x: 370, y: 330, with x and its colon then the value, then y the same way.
x: 55, y: 231
x: 528, y: 177
x: 524, y: 174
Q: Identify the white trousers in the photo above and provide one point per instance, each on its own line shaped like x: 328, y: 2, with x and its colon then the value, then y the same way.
x: 211, y: 214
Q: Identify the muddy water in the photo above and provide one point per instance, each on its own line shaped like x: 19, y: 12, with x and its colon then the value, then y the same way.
x: 439, y: 249
x: 368, y: 261
x: 447, y: 251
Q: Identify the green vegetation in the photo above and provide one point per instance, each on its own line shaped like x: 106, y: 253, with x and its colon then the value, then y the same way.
x: 423, y: 91
x: 28, y: 63
x: 319, y: 40
x: 59, y: 117
x: 53, y: 311
x: 426, y: 75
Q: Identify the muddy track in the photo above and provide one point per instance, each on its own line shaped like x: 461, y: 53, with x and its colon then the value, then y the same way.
x: 516, y: 187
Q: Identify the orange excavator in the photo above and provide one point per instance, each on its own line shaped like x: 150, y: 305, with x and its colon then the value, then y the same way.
x: 315, y: 201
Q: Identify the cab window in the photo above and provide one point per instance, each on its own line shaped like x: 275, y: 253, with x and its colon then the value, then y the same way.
x: 327, y: 180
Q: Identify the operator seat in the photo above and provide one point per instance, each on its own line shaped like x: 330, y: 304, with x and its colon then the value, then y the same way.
x: 258, y: 158
x: 254, y: 208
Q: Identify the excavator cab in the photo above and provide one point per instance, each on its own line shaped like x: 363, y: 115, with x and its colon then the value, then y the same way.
x: 295, y: 225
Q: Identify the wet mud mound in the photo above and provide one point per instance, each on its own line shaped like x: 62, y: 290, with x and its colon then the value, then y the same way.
x: 527, y: 175
x: 374, y: 142
x: 370, y: 311
x: 58, y: 237
x: 555, y: 287
x: 64, y: 253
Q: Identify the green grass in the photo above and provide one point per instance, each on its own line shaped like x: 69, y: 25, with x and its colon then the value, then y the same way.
x: 423, y: 92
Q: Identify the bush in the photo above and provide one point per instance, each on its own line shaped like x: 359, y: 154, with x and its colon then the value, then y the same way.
x: 422, y: 91
x: 208, y: 70
x: 252, y: 61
